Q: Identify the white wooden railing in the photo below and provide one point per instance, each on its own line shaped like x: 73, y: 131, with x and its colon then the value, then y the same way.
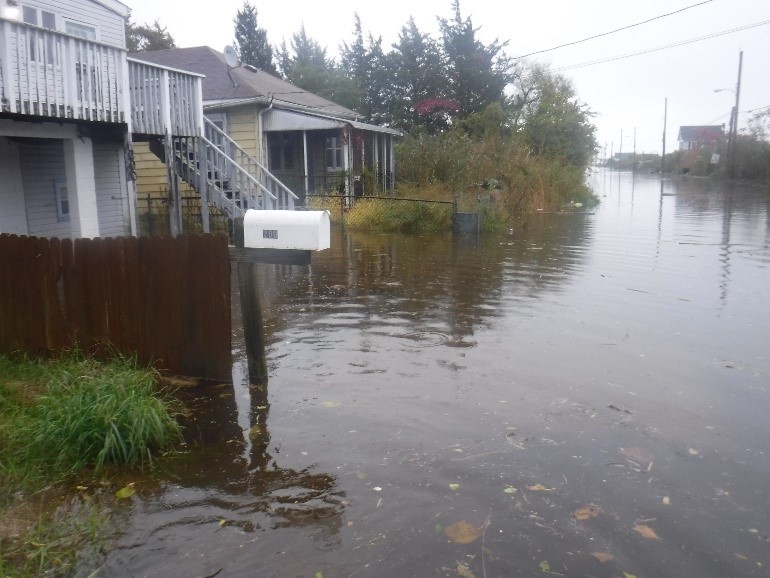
x: 164, y: 101
x: 224, y: 153
x: 51, y: 74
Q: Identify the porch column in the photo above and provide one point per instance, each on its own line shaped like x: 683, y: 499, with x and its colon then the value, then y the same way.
x: 346, y: 148
x: 81, y: 187
x: 392, y: 163
x: 307, y: 175
x: 376, y: 157
x: 13, y: 209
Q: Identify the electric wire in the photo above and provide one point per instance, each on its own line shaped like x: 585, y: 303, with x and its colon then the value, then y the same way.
x: 665, y: 47
x: 613, y: 31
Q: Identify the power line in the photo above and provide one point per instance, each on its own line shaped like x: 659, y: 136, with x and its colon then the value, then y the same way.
x: 665, y: 47
x: 614, y: 31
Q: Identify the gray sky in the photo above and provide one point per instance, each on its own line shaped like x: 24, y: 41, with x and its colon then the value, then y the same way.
x: 626, y: 94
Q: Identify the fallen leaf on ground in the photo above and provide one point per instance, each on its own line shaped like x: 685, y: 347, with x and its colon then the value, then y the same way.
x: 586, y: 513
x: 464, y: 571
x: 544, y: 566
x: 454, y: 487
x: 666, y: 501
x: 539, y: 488
x: 646, y: 531
x: 331, y: 404
x: 603, y: 556
x: 510, y: 490
x: 628, y: 575
x: 463, y: 532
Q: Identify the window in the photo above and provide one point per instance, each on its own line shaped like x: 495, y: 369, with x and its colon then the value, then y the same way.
x: 44, y: 18
x: 49, y: 20
x: 80, y: 30
x: 280, y: 152
x: 62, y: 201
x: 29, y: 15
x: 334, y: 154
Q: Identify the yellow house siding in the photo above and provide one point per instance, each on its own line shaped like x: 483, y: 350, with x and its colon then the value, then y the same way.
x: 152, y: 175
x: 242, y: 127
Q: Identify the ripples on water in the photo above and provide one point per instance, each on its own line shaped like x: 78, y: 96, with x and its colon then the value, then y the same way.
x: 614, y: 360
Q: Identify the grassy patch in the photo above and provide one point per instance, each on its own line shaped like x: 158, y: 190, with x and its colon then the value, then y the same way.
x: 62, y: 418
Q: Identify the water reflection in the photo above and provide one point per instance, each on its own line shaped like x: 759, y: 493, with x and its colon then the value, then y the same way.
x: 206, y: 508
x: 614, y: 361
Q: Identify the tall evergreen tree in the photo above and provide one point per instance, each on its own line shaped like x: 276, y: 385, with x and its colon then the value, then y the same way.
x: 251, y: 41
x: 477, y: 73
x: 365, y: 64
x: 418, y: 80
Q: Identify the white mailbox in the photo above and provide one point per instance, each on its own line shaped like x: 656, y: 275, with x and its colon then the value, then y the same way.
x: 299, y: 230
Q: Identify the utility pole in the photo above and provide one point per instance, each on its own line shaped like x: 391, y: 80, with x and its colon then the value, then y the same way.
x: 633, y: 166
x: 663, y: 156
x: 620, y: 152
x: 734, y: 119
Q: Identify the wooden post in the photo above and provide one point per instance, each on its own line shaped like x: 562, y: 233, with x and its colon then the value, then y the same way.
x: 253, y: 329
x: 251, y: 312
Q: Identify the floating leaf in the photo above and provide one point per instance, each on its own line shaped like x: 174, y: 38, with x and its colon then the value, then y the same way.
x: 545, y: 566
x: 222, y: 522
x: 586, y: 513
x: 510, y: 490
x: 454, y: 487
x: 126, y: 492
x: 642, y: 457
x: 255, y: 432
x: 603, y: 556
x: 628, y: 575
x: 319, y: 574
x: 666, y: 501
x: 539, y: 488
x: 331, y: 404
x: 646, y: 531
x: 377, y: 488
x: 463, y: 532
x: 464, y: 571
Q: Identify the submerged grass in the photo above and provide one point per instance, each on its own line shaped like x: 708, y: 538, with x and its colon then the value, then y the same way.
x: 61, y: 418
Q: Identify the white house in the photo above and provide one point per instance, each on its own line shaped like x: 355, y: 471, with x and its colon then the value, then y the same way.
x: 72, y: 103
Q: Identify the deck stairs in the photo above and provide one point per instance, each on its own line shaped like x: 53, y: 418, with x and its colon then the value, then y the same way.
x: 225, y: 175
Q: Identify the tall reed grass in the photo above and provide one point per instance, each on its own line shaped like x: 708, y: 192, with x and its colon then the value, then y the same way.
x: 62, y: 416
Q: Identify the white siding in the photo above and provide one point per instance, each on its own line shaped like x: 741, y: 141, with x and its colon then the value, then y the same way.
x: 13, y: 213
x: 111, y: 193
x: 110, y: 28
x: 42, y: 163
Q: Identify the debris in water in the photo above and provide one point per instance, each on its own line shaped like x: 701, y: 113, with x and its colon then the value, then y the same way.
x: 463, y: 532
x: 586, y: 513
x: 646, y: 532
x: 603, y: 556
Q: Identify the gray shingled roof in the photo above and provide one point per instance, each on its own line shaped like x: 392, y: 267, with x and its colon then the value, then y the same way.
x: 250, y: 83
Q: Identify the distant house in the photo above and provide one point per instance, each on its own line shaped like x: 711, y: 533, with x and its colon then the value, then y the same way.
x: 700, y: 137
x: 305, y: 142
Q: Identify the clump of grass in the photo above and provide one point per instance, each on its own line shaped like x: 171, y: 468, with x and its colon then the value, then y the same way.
x: 397, y: 216
x: 59, y: 417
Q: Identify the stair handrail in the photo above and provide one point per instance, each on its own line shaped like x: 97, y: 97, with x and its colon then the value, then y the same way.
x: 219, y: 152
x: 230, y: 142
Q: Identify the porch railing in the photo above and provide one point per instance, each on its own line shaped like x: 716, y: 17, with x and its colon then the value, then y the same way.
x: 164, y: 100
x: 51, y: 74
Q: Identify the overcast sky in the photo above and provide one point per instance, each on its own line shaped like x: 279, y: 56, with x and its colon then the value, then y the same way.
x: 626, y: 94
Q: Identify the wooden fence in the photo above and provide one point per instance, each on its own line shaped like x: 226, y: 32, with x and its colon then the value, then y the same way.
x: 165, y: 300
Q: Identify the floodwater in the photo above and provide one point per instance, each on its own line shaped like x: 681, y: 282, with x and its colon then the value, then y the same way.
x: 588, y: 396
